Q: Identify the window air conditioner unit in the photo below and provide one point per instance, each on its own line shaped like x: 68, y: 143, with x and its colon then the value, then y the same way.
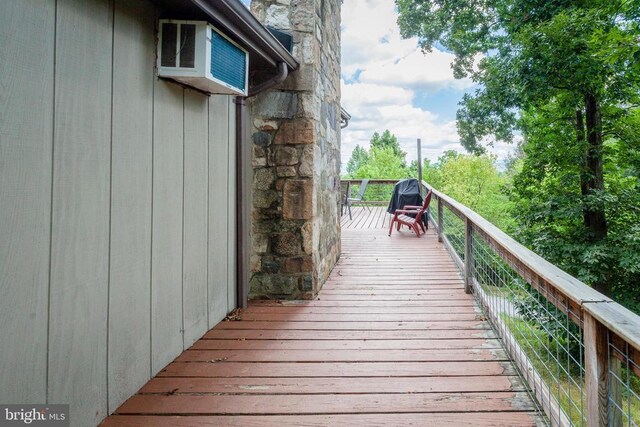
x: 198, y: 55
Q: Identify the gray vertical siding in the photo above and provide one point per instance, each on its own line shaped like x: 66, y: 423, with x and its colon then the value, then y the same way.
x: 194, y: 243
x: 80, y: 219
x: 219, y: 176
x: 231, y: 203
x: 116, y: 198
x: 26, y: 138
x: 131, y: 164
x: 166, y: 249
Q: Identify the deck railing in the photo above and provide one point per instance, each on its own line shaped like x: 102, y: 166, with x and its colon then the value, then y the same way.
x: 578, y: 350
x: 378, y: 190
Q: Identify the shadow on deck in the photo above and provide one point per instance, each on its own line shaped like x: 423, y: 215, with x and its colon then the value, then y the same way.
x: 392, y: 339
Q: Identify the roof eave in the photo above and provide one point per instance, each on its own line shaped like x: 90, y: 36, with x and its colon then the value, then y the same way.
x: 237, y: 19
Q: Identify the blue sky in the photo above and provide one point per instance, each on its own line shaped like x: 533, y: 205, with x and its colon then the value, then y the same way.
x: 388, y: 83
x: 444, y: 101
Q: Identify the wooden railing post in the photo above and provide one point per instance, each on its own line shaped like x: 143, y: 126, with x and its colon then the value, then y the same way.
x: 420, y: 165
x: 596, y: 371
x: 439, y: 220
x: 468, y: 255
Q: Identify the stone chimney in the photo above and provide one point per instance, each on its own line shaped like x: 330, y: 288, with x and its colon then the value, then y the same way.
x: 296, y: 156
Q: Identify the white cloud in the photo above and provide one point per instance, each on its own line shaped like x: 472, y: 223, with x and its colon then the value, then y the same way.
x: 370, y: 34
x: 371, y: 44
x: 416, y: 70
x: 377, y: 107
x: 382, y: 74
x: 375, y: 94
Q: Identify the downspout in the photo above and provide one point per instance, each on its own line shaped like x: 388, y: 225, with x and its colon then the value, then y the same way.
x: 283, y: 72
x: 243, y: 191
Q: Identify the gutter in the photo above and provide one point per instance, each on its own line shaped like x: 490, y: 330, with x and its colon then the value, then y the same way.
x: 283, y: 72
x: 344, y: 118
x: 249, y: 30
x: 261, y: 32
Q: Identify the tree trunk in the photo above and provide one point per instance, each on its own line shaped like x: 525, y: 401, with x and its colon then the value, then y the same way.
x: 595, y: 216
x: 584, y: 175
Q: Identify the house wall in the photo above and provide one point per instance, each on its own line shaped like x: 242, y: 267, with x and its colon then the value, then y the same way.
x: 296, y: 156
x: 117, y: 199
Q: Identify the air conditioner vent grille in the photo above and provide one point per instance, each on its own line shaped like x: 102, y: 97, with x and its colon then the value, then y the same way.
x: 187, y: 45
x: 169, y: 39
x: 198, y: 55
x: 228, y: 62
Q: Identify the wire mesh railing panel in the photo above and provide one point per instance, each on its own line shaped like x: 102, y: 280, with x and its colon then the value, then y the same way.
x: 624, y: 383
x: 453, y: 229
x: 378, y: 193
x: 576, y: 349
x: 375, y: 193
x: 537, y: 331
x: 433, y: 211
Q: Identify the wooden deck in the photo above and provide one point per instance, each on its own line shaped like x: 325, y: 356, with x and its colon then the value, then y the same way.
x: 363, y: 217
x: 392, y: 340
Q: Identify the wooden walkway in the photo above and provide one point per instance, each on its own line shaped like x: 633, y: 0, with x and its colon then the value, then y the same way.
x: 392, y: 340
x: 362, y: 217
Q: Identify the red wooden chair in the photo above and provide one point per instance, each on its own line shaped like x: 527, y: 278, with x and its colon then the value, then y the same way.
x: 404, y: 216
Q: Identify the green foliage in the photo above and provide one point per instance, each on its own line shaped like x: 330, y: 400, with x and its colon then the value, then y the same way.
x: 526, y: 52
x: 566, y: 75
x: 359, y: 157
x: 382, y: 163
x: 388, y: 140
x: 561, y: 334
x: 385, y: 159
x: 550, y: 204
x: 474, y: 181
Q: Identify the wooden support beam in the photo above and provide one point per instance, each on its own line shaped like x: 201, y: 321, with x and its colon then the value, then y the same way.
x: 420, y: 165
x: 243, y: 192
x: 468, y: 255
x: 439, y: 220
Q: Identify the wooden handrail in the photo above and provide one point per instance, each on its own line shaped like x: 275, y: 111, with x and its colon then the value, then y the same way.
x: 371, y: 181
x: 602, y: 320
x: 570, y: 286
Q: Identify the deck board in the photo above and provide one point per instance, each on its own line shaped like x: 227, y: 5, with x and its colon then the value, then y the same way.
x: 369, y: 217
x: 333, y: 385
x: 348, y: 344
x: 336, y: 369
x: 468, y: 419
x: 387, y: 342
x: 298, y: 404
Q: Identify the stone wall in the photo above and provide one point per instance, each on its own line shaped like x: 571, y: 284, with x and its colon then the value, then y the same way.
x: 296, y: 156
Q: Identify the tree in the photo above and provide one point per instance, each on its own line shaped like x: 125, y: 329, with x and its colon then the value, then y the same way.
x: 387, y: 139
x: 385, y: 159
x: 581, y: 55
x: 549, y: 201
x: 359, y: 157
x: 383, y: 163
x: 474, y: 181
